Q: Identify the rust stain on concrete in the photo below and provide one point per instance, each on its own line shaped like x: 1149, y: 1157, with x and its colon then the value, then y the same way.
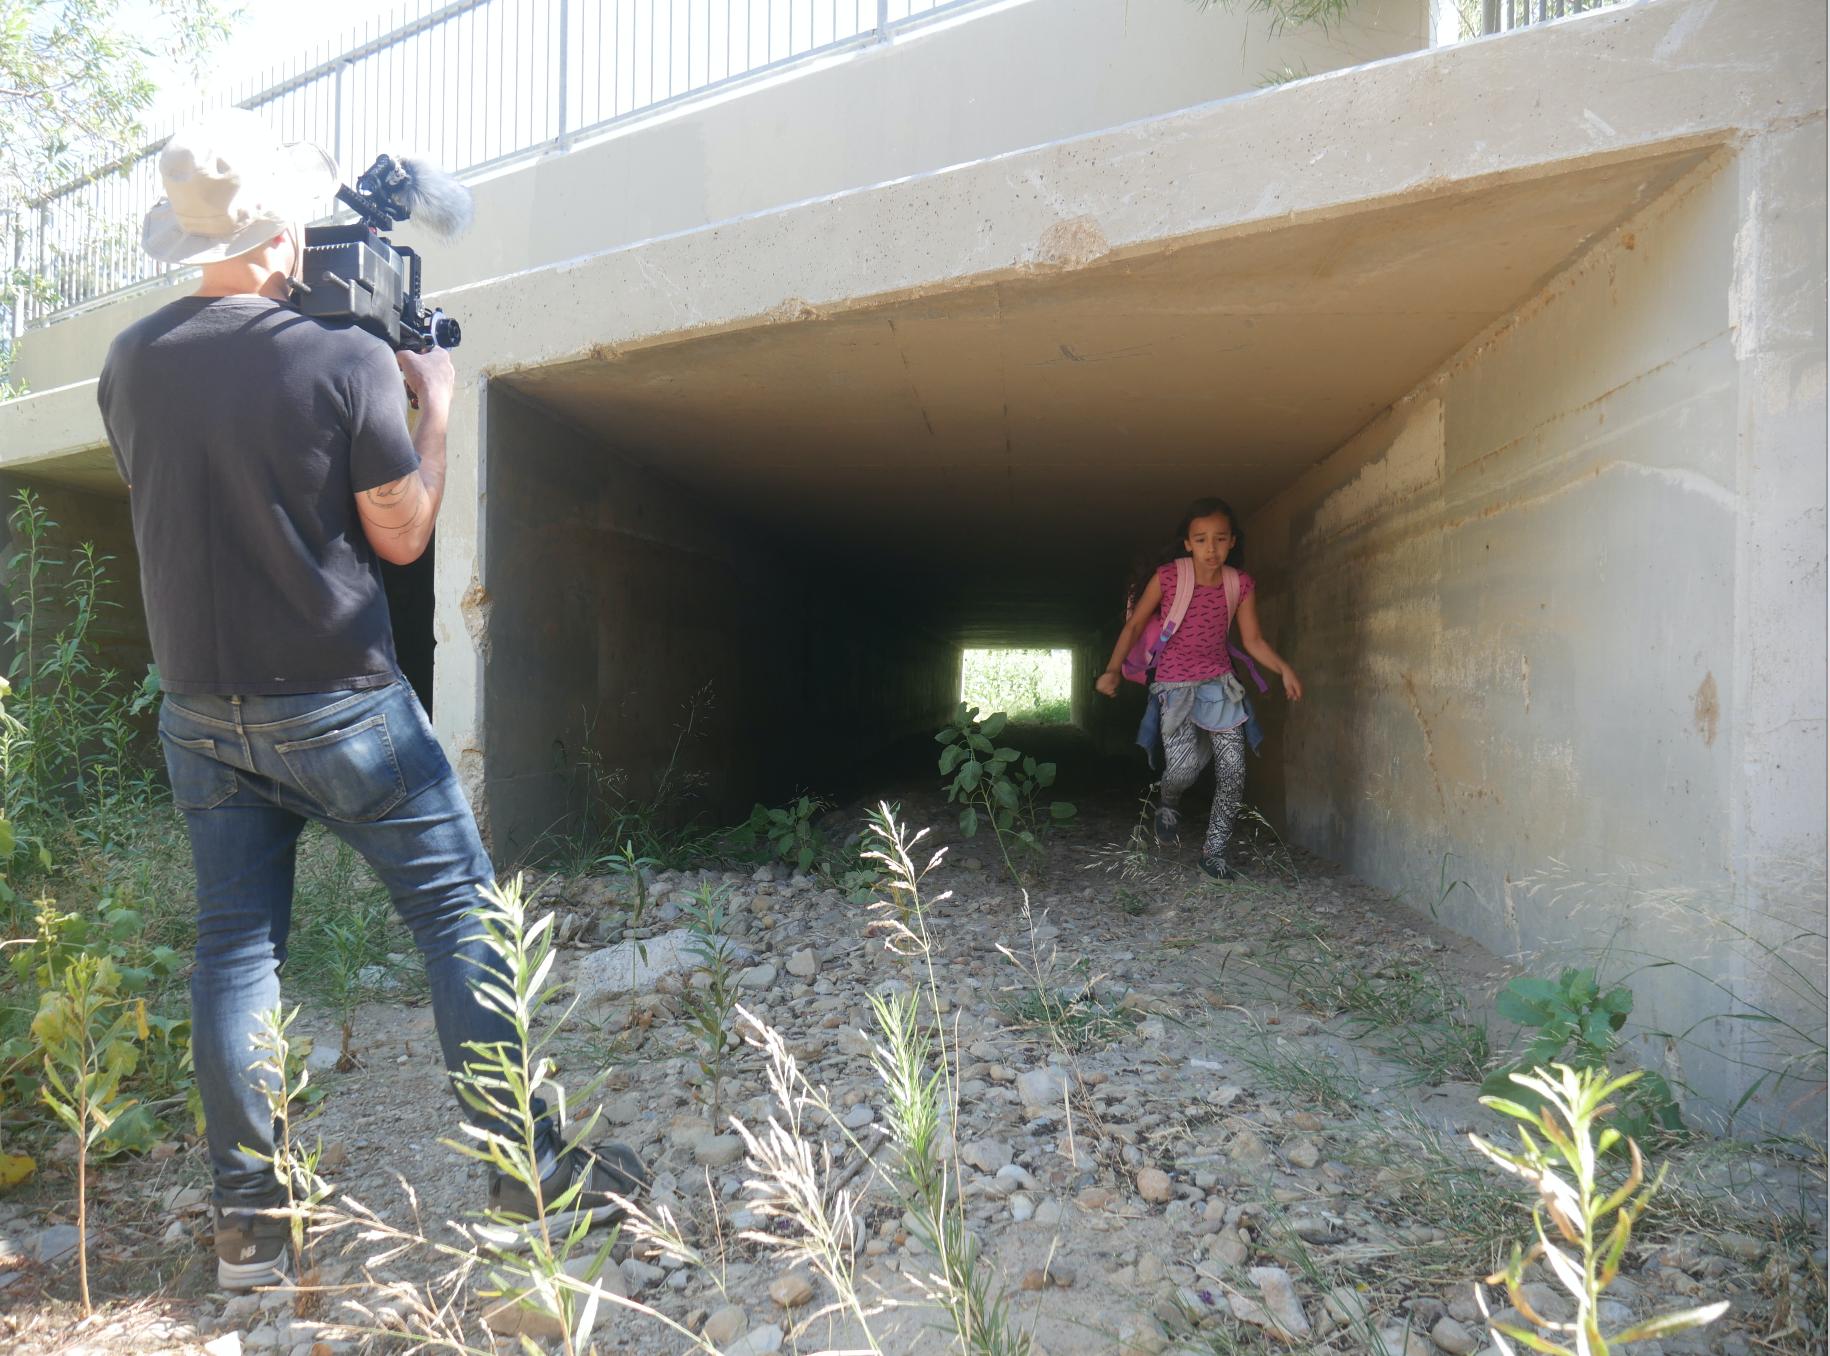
x: 1429, y: 743
x: 475, y: 607
x: 1073, y: 243
x: 1708, y: 709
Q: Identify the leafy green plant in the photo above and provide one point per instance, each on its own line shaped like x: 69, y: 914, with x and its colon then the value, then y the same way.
x: 710, y: 1010
x: 789, y: 832
x: 286, y: 1082
x: 526, y: 1259
x: 1576, y: 1022
x: 1566, y: 1106
x: 80, y: 750
x: 996, y: 784
x: 89, y: 1033
x: 161, y: 1069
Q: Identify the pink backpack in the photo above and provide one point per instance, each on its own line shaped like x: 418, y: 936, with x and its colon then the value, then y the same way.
x: 1158, y: 630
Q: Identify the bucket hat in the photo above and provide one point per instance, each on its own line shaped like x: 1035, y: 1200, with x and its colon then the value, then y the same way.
x: 231, y: 184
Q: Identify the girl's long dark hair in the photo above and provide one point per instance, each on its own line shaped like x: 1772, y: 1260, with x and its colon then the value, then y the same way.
x: 1173, y: 549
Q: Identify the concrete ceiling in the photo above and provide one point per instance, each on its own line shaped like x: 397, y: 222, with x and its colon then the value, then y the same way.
x: 1034, y: 432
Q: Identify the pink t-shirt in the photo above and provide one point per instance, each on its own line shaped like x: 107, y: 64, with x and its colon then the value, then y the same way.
x: 1197, y: 651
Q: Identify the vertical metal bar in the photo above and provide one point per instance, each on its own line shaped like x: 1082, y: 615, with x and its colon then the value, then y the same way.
x: 564, y: 63
x: 883, y: 20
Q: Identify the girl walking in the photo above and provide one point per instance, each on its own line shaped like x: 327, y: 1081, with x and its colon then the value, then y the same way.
x: 1198, y: 700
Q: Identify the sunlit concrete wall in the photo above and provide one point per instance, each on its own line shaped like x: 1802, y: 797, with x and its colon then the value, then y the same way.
x: 988, y: 80
x: 1561, y: 616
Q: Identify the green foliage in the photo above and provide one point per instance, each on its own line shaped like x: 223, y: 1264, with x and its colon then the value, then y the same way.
x: 789, y: 832
x: 159, y: 1073
x: 710, y: 1009
x: 75, y: 77
x: 1034, y: 686
x: 526, y: 1260
x: 1575, y: 1022
x: 1566, y: 1105
x: 79, y: 751
x: 89, y: 1032
x: 996, y: 784
x: 659, y: 823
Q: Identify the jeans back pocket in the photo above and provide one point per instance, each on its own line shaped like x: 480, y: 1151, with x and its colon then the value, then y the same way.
x: 351, y: 773
x: 199, y: 780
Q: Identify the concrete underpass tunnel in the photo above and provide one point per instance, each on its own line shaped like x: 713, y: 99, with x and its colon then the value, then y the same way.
x: 813, y: 515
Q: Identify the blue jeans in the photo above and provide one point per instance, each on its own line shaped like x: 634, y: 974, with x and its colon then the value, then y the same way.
x: 248, y: 772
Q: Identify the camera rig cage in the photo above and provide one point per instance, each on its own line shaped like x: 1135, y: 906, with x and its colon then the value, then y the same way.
x: 354, y: 272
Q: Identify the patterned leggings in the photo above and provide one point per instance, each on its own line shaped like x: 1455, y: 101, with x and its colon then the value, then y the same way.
x: 1185, y: 753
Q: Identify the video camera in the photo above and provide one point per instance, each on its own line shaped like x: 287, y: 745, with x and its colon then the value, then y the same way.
x: 355, y: 272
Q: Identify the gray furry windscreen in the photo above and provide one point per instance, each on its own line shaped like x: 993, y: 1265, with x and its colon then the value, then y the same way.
x: 436, y: 201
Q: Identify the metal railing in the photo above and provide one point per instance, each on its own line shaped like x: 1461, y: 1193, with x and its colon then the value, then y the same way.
x: 471, y: 84
x: 1502, y: 16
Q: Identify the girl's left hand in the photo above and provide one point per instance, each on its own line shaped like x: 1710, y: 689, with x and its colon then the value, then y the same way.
x: 1293, y: 686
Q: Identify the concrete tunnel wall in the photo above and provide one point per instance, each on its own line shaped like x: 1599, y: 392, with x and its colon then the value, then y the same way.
x: 1520, y: 600
x: 618, y: 604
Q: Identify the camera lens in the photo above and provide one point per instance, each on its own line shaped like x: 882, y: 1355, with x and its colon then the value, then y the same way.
x: 445, y: 332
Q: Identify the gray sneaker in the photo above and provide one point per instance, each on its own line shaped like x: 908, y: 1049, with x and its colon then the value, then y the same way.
x: 600, y: 1170
x: 1168, y: 828
x: 253, y: 1248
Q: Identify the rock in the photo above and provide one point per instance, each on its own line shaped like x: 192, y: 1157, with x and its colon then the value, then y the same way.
x: 1248, y: 1150
x: 859, y: 1116
x: 757, y: 1342
x: 1142, y: 1339
x: 1550, y: 1302
x: 987, y: 1155
x: 1229, y: 1249
x: 1742, y: 1247
x: 1345, y: 1305
x: 633, y: 967
x: 1048, y: 1211
x: 1022, y: 1208
x: 639, y: 1275
x: 1150, y: 1269
x: 625, y: 1110
x: 1302, y: 1153
x: 529, y: 1319
x: 54, y: 1243
x: 1277, y: 1303
x: 757, y: 977
x: 791, y: 1290
x: 1402, y: 1340
x: 804, y: 964
x: 240, y: 1311
x: 1153, y: 1185
x: 1045, y: 1087
x: 190, y: 1198
x: 601, y: 1272
x: 723, y: 1327
x: 718, y: 1151
x: 229, y: 1344
x: 1452, y: 1337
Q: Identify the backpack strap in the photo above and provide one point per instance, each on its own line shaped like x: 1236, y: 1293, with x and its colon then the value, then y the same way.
x: 1235, y: 590
x: 1185, y: 594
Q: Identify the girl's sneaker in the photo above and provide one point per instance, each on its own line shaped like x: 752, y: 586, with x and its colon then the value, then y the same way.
x: 1217, y: 868
x: 253, y: 1248
x: 1168, y: 828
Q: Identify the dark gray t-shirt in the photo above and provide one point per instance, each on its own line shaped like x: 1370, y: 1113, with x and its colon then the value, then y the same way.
x: 245, y: 430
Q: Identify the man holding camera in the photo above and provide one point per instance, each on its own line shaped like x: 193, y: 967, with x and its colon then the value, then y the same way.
x: 271, y: 468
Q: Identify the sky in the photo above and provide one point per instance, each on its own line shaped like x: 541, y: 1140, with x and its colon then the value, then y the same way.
x: 268, y: 33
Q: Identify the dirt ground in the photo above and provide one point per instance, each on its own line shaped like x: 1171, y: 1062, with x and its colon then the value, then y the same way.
x: 1176, y: 1136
